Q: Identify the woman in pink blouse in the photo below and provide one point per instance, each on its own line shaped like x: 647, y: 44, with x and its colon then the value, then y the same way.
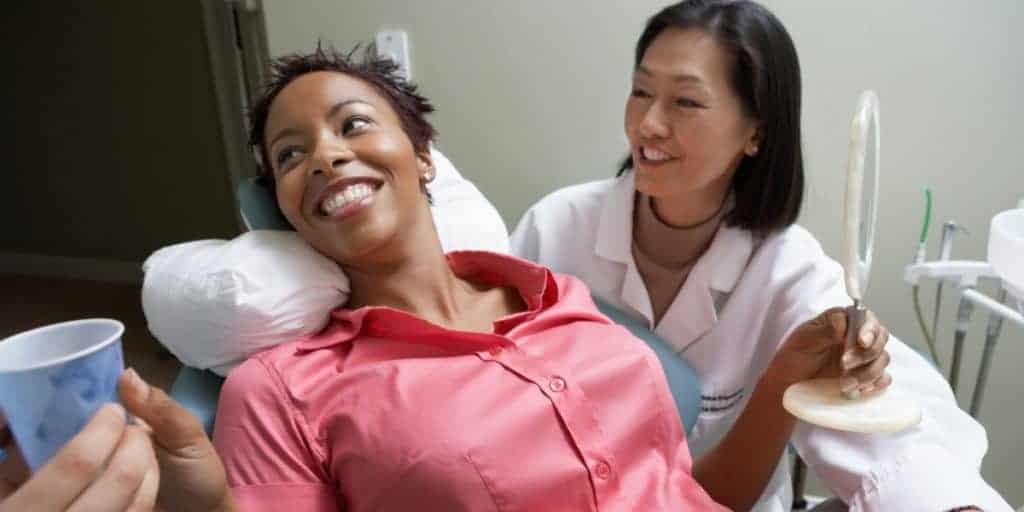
x: 467, y: 381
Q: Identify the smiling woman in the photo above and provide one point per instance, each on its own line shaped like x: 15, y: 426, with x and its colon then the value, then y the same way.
x: 696, y: 236
x: 350, y: 117
x: 442, y: 370
x: 325, y: 120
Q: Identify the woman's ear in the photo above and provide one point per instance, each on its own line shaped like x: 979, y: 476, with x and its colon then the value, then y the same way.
x: 753, y: 144
x: 425, y: 164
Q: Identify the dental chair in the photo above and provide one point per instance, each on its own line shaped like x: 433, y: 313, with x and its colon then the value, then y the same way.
x: 198, y: 390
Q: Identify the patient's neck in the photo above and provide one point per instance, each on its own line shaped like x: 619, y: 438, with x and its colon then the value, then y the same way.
x: 411, y: 273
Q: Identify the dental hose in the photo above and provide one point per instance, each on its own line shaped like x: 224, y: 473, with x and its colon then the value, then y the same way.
x: 922, y: 243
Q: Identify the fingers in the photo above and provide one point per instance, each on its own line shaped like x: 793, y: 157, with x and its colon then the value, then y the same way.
x: 872, y: 333
x: 871, y: 343
x: 76, y: 465
x: 120, y: 484
x: 837, y: 322
x: 824, y: 332
x: 145, y: 498
x: 867, y: 378
x: 879, y: 386
x: 173, y: 428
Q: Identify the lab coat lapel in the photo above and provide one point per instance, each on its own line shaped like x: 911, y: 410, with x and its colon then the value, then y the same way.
x: 614, y: 243
x: 694, y: 312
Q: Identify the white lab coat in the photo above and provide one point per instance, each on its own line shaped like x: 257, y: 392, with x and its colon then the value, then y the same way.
x: 739, y: 303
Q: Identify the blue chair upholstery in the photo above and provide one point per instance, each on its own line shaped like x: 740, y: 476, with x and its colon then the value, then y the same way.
x: 198, y: 390
x: 256, y: 203
x: 682, y: 378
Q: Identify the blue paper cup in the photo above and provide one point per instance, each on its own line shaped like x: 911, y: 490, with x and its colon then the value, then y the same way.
x: 54, y: 379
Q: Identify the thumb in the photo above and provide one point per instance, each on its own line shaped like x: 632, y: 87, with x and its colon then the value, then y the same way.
x: 836, y: 320
x: 825, y: 330
x: 174, y: 429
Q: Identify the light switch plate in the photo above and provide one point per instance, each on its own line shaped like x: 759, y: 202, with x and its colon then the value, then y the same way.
x: 394, y: 44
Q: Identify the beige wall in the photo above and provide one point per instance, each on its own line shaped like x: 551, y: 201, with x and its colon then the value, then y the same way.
x: 112, y: 147
x: 530, y: 97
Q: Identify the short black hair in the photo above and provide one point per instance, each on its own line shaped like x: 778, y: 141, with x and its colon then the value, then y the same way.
x: 381, y: 73
x: 768, y: 187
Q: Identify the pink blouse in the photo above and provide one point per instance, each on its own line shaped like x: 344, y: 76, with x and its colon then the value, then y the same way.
x: 557, y: 409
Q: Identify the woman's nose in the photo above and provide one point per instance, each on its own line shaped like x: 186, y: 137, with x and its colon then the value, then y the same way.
x: 330, y: 156
x: 653, y: 125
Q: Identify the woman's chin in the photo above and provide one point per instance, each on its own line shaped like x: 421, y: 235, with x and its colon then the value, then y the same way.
x: 650, y: 185
x: 359, y: 246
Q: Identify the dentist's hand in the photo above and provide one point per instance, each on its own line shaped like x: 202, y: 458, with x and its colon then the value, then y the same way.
x: 108, y: 466
x: 192, y: 476
x: 818, y: 349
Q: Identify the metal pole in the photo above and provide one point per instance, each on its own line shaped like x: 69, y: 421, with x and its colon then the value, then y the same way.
x: 995, y: 326
x: 963, y: 321
x: 989, y: 303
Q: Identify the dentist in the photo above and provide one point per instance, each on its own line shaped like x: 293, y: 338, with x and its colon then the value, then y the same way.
x: 697, y: 237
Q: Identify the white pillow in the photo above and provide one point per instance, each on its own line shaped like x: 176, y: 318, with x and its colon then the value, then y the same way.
x: 213, y: 303
x: 465, y: 219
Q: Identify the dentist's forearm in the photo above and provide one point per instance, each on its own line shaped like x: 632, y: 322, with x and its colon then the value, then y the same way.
x: 737, y: 470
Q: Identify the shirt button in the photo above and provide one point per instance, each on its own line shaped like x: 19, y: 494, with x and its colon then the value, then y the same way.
x: 556, y: 384
x: 495, y: 350
x: 603, y: 470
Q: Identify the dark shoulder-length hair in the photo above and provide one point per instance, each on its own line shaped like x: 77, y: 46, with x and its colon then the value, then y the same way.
x: 769, y: 186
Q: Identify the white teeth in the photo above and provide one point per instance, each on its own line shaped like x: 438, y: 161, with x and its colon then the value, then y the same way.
x: 342, y: 198
x: 654, y: 154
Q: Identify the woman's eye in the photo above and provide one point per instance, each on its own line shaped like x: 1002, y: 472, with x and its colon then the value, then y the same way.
x: 688, y: 103
x: 354, y: 123
x: 639, y: 93
x: 286, y: 155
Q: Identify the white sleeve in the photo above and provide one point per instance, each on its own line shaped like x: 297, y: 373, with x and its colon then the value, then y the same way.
x: 525, y: 240
x: 932, y: 467
x: 935, y: 466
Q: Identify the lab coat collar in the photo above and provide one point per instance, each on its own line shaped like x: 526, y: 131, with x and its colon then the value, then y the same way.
x: 723, y: 263
x: 728, y: 257
x: 694, y: 311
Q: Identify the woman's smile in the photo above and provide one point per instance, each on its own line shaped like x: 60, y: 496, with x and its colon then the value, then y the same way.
x: 346, y: 197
